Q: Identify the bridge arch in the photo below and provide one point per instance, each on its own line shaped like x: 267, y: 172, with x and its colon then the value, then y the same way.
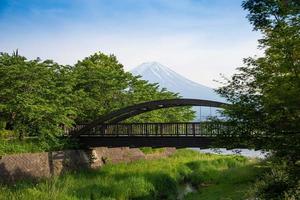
x: 131, y: 111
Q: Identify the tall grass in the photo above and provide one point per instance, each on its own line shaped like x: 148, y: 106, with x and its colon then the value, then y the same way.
x: 32, y: 145
x: 12, y: 146
x: 155, y: 179
x: 149, y: 150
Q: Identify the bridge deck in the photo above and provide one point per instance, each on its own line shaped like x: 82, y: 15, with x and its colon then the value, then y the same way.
x: 146, y: 141
x: 191, y: 134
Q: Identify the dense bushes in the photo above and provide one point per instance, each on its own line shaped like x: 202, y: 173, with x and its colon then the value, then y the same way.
x: 278, y: 182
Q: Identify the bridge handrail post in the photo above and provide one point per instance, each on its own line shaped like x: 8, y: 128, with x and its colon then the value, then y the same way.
x: 102, y: 129
x: 194, y: 131
x: 200, y: 128
x: 117, y: 130
x: 186, y: 129
x: 146, y: 129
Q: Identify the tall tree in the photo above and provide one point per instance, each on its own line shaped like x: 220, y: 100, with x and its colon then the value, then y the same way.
x: 33, y: 96
x: 101, y: 83
x: 265, y: 92
x: 102, y: 86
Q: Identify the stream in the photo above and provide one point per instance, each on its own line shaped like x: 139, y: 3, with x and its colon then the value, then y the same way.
x: 185, y: 189
x: 250, y: 153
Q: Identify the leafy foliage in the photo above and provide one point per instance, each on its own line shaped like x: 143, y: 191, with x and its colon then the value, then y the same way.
x: 32, y: 97
x: 40, y: 98
x: 265, y: 92
x: 105, y: 86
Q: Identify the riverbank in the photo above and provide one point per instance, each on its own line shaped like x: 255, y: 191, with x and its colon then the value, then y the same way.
x: 212, y: 176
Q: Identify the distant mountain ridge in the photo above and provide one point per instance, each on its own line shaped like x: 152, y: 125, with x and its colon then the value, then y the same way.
x: 155, y: 72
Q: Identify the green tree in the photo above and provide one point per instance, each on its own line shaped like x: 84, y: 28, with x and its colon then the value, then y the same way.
x: 100, y: 83
x: 265, y: 93
x: 102, y: 86
x: 33, y: 96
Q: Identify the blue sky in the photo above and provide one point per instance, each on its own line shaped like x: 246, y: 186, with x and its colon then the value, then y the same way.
x: 197, y: 38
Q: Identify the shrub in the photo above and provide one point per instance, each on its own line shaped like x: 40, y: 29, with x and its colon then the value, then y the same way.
x: 5, y: 134
x: 274, y: 185
x: 294, y: 193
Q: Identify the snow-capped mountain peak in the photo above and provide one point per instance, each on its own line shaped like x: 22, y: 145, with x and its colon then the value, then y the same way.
x: 155, y: 72
x: 152, y: 67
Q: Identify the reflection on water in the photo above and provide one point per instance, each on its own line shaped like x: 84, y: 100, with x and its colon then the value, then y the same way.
x: 243, y: 152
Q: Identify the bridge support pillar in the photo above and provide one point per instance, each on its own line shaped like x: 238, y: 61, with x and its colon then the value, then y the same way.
x: 94, y: 159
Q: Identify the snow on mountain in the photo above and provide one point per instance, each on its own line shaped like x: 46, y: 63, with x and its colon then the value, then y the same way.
x: 156, y: 73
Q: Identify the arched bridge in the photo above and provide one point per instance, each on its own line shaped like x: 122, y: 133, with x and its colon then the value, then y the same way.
x: 108, y: 130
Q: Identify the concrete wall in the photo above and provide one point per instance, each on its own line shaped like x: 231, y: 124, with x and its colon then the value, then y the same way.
x: 44, y: 165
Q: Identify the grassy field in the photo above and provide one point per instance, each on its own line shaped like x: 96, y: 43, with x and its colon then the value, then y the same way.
x: 16, y: 146
x: 213, y: 176
x: 31, y: 145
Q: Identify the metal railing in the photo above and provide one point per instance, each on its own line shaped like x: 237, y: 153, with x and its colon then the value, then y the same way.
x: 208, y: 129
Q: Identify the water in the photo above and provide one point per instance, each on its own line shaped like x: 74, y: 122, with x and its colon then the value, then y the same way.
x: 184, y: 190
x: 250, y: 153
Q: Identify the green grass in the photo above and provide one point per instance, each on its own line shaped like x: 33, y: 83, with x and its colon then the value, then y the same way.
x: 32, y: 145
x: 16, y: 146
x: 149, y: 150
x: 226, y: 184
x: 216, y: 177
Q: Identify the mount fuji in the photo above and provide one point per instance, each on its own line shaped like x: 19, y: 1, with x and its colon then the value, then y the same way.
x: 155, y: 72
